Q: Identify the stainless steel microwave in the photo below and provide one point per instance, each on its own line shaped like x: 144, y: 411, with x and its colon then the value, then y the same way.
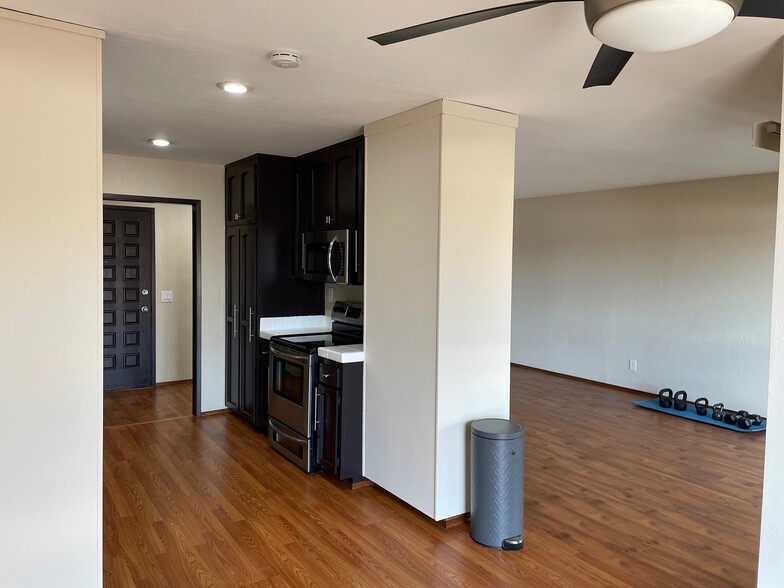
x: 327, y: 256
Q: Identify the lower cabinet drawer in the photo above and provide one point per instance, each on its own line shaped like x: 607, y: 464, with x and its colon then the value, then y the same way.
x: 329, y: 374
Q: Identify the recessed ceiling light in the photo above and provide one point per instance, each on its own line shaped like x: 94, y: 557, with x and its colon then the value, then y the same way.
x: 160, y: 142
x: 235, y: 87
x: 284, y: 59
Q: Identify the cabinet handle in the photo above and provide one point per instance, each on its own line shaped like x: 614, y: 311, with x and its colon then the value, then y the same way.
x: 302, y: 257
x: 315, y: 411
x: 234, y: 321
x: 356, y: 252
x: 250, y: 325
x: 329, y: 219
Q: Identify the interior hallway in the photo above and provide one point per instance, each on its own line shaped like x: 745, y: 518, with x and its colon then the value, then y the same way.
x: 143, y: 405
x: 615, y: 496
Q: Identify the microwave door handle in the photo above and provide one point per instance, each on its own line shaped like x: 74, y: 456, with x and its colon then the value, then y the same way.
x: 329, y: 258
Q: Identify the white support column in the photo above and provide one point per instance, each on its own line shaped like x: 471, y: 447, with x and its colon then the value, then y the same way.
x: 771, y: 557
x: 439, y: 201
x: 51, y: 310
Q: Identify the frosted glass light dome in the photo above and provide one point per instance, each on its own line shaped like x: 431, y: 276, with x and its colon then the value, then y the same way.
x: 652, y: 26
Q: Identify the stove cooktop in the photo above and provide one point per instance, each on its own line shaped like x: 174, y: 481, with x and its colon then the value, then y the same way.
x: 311, y: 343
x: 346, y: 330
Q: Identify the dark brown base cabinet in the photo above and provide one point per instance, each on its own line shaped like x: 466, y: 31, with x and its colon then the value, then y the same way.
x: 339, y: 419
x: 260, y: 223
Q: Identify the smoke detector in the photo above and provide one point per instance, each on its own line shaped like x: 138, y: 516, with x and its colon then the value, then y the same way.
x: 284, y: 59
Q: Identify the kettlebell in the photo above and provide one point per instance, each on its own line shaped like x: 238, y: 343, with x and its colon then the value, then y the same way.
x: 665, y: 398
x: 718, y: 412
x: 680, y: 400
x: 701, y: 406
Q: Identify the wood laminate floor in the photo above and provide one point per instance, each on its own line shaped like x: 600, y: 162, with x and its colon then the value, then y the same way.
x: 615, y: 496
x: 143, y: 405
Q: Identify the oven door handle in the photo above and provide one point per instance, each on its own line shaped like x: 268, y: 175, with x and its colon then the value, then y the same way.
x: 285, y: 435
x: 280, y: 353
x: 329, y: 258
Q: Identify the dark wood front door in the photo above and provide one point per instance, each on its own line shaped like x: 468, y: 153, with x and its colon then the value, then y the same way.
x: 128, y: 298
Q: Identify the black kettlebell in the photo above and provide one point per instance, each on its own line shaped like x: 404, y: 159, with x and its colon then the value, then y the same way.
x: 665, y: 398
x: 680, y: 400
x: 718, y: 412
x: 701, y: 406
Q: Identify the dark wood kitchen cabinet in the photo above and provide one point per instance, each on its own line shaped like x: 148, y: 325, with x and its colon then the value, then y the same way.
x: 333, y: 184
x: 339, y: 419
x: 241, y: 307
x: 331, y: 196
x: 260, y: 206
x: 241, y: 192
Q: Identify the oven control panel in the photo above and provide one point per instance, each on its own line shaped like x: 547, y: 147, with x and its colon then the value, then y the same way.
x: 348, y: 312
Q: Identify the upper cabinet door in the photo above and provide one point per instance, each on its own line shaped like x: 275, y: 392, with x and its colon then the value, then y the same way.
x: 334, y: 186
x: 345, y: 170
x: 241, y: 193
x: 322, y: 195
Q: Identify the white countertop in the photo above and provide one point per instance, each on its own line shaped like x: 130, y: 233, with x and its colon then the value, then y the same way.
x: 299, y: 331
x: 294, y: 325
x: 344, y: 353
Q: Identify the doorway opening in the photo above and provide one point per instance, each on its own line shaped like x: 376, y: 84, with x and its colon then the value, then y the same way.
x: 173, y: 366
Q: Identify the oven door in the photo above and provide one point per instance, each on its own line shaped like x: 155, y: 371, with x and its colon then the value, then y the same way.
x: 326, y: 256
x: 291, y: 388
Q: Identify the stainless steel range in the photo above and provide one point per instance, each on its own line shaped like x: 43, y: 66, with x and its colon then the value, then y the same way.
x: 293, y: 380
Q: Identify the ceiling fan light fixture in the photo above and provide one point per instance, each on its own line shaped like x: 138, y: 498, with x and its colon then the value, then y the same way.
x: 652, y: 26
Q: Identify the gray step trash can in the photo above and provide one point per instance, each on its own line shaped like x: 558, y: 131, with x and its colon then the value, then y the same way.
x: 497, y: 483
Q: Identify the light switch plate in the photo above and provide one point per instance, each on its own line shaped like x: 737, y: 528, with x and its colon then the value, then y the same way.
x: 166, y: 296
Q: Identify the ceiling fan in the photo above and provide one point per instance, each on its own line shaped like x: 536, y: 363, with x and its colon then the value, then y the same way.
x: 623, y: 26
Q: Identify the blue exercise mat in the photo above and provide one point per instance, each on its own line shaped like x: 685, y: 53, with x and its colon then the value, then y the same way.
x: 691, y: 414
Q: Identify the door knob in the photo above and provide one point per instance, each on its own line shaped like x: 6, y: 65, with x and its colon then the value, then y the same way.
x: 145, y: 292
x: 145, y: 309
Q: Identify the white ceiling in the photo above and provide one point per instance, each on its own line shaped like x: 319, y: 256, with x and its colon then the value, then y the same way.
x: 669, y: 117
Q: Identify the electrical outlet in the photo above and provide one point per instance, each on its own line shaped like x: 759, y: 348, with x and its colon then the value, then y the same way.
x: 632, y: 365
x: 167, y: 296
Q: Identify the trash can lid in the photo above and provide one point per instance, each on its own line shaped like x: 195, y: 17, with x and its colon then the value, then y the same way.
x: 497, y: 429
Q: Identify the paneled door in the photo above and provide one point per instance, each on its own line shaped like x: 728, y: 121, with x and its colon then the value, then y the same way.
x: 128, y: 298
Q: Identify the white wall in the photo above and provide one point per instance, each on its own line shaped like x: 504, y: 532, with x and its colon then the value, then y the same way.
x: 343, y: 293
x: 676, y: 276
x: 771, y: 563
x: 439, y: 194
x: 141, y: 176
x: 173, y: 272
x: 50, y: 303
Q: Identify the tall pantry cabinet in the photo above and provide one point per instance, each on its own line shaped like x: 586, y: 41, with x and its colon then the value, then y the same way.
x: 260, y: 240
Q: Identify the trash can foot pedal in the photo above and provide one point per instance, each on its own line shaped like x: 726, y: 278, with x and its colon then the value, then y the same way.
x: 512, y: 544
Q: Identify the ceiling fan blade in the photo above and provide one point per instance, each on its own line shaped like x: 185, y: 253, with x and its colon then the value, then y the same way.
x: 454, y: 22
x: 763, y: 8
x: 606, y: 67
